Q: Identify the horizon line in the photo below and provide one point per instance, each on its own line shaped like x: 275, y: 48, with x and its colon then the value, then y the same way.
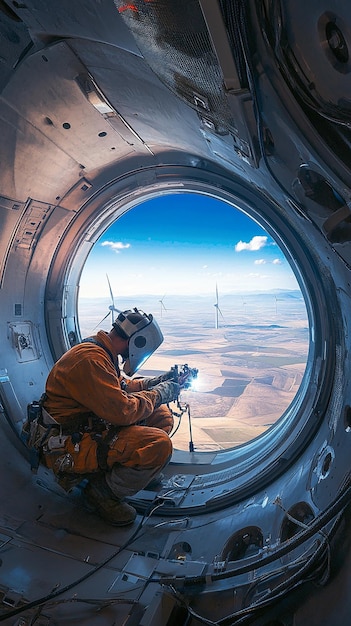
x: 202, y: 295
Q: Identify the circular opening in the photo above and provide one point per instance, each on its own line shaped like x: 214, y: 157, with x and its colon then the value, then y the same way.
x: 244, y: 543
x: 296, y: 518
x: 336, y: 42
x: 331, y: 30
x: 326, y: 464
x: 347, y: 419
x: 180, y: 551
x: 228, y: 304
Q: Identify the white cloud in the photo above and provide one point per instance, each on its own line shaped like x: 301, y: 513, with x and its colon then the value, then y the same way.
x: 256, y: 243
x: 260, y: 262
x: 277, y: 262
x: 116, y: 246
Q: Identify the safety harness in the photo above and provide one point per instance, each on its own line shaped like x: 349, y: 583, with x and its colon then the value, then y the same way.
x: 104, y: 444
x: 42, y: 430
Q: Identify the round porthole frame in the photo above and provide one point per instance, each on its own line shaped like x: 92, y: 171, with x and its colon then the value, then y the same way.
x: 261, y: 460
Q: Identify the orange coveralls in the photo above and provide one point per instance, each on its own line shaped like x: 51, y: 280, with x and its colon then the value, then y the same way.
x: 85, y: 382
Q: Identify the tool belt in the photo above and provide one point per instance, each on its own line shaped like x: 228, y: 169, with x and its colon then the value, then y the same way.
x: 80, y: 447
x: 36, y: 430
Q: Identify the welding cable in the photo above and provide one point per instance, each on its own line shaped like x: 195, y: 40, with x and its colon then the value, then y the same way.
x: 244, y: 615
x: 298, y: 522
x: 288, y: 586
x: 179, y: 416
x: 277, y: 593
x: 155, y: 504
x: 287, y: 546
x: 283, y: 569
x: 183, y: 409
x: 98, y: 602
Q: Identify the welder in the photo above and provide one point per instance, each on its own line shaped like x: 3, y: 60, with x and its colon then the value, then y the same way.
x: 105, y: 425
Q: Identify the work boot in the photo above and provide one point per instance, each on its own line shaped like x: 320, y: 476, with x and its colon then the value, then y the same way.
x: 112, y: 509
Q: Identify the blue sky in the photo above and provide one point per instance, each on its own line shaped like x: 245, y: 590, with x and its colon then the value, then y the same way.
x: 185, y: 244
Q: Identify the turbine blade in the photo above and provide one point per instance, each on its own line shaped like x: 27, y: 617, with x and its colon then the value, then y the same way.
x: 162, y: 307
x: 103, y: 319
x: 112, y: 306
x: 111, y: 294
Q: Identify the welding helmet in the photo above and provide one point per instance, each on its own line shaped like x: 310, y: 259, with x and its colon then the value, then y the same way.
x: 143, y: 334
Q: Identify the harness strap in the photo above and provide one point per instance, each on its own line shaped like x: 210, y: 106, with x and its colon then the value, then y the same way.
x: 104, y: 445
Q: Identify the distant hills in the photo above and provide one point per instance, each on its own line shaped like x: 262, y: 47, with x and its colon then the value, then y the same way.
x: 280, y: 294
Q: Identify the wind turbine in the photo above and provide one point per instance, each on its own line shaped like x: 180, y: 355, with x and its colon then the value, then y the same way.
x: 216, y: 305
x: 162, y: 305
x: 111, y: 309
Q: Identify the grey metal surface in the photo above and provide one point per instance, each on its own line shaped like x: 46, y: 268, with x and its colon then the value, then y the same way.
x: 106, y: 104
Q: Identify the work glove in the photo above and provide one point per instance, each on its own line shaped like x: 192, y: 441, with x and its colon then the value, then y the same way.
x: 167, y: 392
x: 149, y: 383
